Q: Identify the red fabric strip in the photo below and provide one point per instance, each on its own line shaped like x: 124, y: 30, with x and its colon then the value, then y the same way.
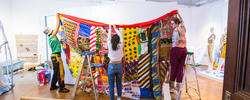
x: 94, y: 23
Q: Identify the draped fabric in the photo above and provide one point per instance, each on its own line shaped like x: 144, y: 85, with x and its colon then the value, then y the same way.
x: 155, y: 35
x: 144, y: 71
x: 130, y: 44
x: 130, y: 71
x: 71, y: 29
x: 141, y: 46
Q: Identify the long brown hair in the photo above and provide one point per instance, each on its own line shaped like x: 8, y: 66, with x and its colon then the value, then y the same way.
x: 115, y: 40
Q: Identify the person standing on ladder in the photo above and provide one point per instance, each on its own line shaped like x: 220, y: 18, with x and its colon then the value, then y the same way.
x: 178, y: 54
x: 115, y: 67
x: 58, y: 75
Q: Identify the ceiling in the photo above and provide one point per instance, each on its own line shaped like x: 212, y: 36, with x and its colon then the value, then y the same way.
x: 187, y: 2
x: 196, y: 3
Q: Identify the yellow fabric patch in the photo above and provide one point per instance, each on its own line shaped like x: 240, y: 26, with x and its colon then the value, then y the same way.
x: 130, y: 43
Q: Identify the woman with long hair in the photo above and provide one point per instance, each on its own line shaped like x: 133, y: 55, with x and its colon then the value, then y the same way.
x: 178, y: 53
x: 115, y: 67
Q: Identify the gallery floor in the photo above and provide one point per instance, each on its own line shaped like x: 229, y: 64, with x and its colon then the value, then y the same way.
x: 26, y: 85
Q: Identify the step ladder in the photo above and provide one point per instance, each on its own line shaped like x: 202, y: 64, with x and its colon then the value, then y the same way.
x: 190, y: 56
x: 8, y: 55
x: 87, y: 55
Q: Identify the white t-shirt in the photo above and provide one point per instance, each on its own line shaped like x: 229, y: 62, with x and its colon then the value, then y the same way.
x: 115, y: 55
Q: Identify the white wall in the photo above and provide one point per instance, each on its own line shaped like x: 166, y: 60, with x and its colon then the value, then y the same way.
x: 28, y: 16
x: 203, y: 18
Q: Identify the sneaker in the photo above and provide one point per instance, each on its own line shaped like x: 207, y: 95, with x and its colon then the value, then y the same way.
x: 172, y: 90
x: 119, y: 98
x: 63, y: 90
x: 54, y: 88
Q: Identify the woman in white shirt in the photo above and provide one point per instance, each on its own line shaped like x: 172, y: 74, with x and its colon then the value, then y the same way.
x: 115, y: 68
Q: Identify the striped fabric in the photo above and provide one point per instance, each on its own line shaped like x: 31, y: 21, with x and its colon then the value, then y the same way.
x: 155, y: 34
x: 84, y: 30
x: 130, y: 71
x: 164, y: 65
x: 71, y: 29
x: 144, y: 76
x: 92, y: 38
x: 98, y: 39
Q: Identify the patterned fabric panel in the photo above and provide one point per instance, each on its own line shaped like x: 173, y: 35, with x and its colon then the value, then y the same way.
x: 155, y: 34
x: 166, y: 28
x: 130, y: 44
x: 92, y: 38
x: 71, y: 29
x: 84, y: 30
x: 131, y: 71
x: 164, y: 66
x: 98, y: 39
x: 144, y: 70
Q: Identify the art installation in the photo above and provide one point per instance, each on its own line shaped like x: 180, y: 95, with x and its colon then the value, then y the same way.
x: 145, y: 62
x: 211, y: 40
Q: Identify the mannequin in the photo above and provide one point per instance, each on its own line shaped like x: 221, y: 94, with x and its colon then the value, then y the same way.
x: 211, y: 40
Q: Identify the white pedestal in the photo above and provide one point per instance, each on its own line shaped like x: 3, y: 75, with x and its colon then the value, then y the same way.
x: 212, y: 74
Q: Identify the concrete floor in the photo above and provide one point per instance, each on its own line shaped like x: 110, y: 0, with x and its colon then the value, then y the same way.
x: 26, y: 85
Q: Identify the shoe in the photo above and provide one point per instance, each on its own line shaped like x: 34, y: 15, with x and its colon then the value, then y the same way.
x: 179, y: 86
x: 119, y: 98
x: 63, y: 90
x: 172, y: 86
x: 54, y: 88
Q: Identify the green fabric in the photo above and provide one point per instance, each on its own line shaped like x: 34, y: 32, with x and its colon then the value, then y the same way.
x: 139, y: 48
x: 54, y: 44
x: 139, y: 45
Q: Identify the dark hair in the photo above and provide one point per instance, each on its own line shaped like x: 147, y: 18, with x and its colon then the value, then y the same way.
x: 115, y: 40
x: 176, y: 20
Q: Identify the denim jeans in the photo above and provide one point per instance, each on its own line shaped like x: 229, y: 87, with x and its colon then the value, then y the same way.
x: 115, y: 71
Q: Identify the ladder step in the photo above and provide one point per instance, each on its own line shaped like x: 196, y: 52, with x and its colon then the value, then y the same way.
x: 97, y: 65
x: 190, y: 53
x: 88, y: 53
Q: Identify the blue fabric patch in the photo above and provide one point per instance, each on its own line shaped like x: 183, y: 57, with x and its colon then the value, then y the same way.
x: 84, y: 30
x: 156, y: 34
x: 157, y: 93
x: 146, y: 93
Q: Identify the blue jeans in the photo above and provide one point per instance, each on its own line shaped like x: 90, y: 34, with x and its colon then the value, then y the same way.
x: 115, y: 71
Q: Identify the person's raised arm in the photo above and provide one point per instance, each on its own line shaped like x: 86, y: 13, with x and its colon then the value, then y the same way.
x: 109, y: 33
x: 57, y: 25
x: 183, y: 28
x: 119, y: 33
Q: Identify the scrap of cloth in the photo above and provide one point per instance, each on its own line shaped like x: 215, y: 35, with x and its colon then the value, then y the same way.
x: 164, y: 66
x: 98, y: 39
x: 144, y: 71
x: 84, y: 30
x: 155, y: 35
x: 71, y: 30
x: 130, y: 44
x: 166, y: 28
x: 92, y: 38
x: 75, y: 62
x: 130, y: 71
